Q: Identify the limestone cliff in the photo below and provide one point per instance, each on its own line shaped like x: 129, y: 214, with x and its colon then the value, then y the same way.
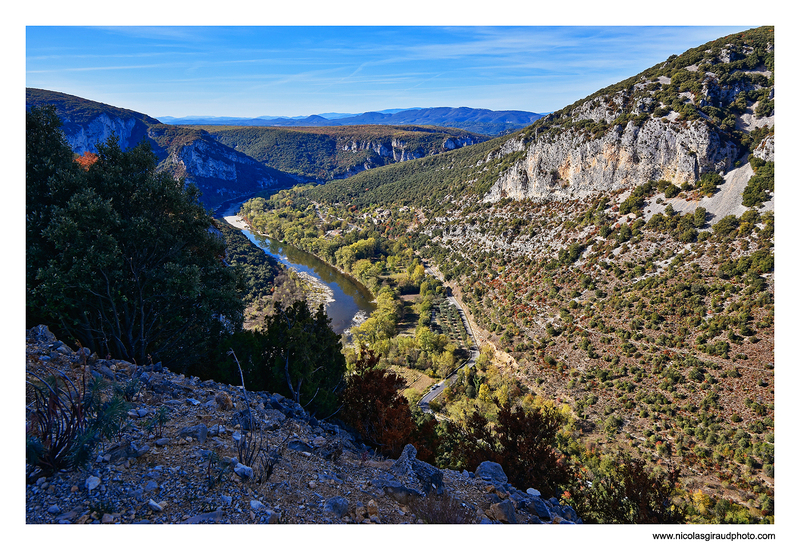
x: 570, y: 165
x: 85, y: 137
x: 220, y: 172
x: 694, y: 114
x: 399, y: 150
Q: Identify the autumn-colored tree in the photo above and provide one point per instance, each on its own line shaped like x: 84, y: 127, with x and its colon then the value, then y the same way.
x: 86, y: 159
x: 374, y: 406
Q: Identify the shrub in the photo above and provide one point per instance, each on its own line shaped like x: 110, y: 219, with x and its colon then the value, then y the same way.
x: 708, y: 183
x: 699, y: 217
x: 671, y: 191
x: 631, y: 204
x: 374, y: 406
x: 522, y: 441
x: 65, y: 421
x: 622, y: 490
x: 442, y: 509
x: 761, y: 184
x: 57, y: 430
x: 726, y: 226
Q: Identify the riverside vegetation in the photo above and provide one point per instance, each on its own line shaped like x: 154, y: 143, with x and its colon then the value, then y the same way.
x: 626, y: 334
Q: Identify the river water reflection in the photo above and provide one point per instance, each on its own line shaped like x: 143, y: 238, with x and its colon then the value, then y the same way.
x: 352, y: 301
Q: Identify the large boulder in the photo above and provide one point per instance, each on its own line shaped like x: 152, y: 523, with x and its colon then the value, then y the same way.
x: 537, y: 507
x: 491, y: 472
x: 198, y: 432
x: 336, y: 506
x: 396, y: 490
x: 416, y: 473
x: 503, y: 512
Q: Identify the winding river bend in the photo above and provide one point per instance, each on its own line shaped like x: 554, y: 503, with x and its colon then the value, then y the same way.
x: 350, y: 302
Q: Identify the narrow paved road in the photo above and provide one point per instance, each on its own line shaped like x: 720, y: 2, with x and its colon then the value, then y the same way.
x: 438, y: 388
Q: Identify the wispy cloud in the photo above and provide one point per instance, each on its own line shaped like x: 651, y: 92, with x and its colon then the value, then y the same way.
x: 315, y: 69
x: 102, y: 68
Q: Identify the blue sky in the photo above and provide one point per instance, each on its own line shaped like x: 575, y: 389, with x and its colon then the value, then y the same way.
x: 293, y: 71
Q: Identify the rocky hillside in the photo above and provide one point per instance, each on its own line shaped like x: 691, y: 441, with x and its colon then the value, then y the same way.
x: 695, y: 114
x: 227, y: 162
x: 337, y: 152
x: 184, y: 452
x: 220, y: 172
x: 87, y: 123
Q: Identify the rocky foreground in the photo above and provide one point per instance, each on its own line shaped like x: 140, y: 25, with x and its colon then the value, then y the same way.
x: 178, y: 459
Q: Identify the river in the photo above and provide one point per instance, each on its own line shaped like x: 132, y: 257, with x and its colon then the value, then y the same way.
x: 349, y: 302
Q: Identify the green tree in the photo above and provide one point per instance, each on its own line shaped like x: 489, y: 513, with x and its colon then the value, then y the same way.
x: 528, y: 441
x: 522, y: 441
x: 120, y: 257
x: 699, y: 217
x: 622, y: 490
x: 48, y: 169
x: 305, y: 357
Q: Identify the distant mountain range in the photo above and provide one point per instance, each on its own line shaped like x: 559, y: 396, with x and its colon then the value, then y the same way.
x: 481, y: 121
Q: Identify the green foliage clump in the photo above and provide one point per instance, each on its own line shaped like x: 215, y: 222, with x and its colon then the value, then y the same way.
x: 295, y: 353
x: 761, y: 184
x: 120, y: 257
x: 623, y: 490
x: 522, y: 441
x: 709, y: 182
x: 258, y: 270
x: 671, y: 191
x: 571, y: 254
x: 303, y: 358
x: 726, y: 226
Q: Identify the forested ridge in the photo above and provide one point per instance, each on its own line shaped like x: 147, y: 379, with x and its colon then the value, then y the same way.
x: 332, y: 152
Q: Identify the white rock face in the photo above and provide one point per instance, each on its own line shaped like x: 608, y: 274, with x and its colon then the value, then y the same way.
x: 571, y: 165
x: 395, y: 149
x: 766, y: 149
x: 102, y: 127
x: 399, y: 150
x: 202, y: 160
x: 456, y: 143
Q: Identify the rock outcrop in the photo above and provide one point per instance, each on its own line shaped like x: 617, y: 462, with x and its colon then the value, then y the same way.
x: 573, y: 165
x: 676, y: 121
x: 84, y: 138
x: 220, y: 172
x: 398, y: 150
